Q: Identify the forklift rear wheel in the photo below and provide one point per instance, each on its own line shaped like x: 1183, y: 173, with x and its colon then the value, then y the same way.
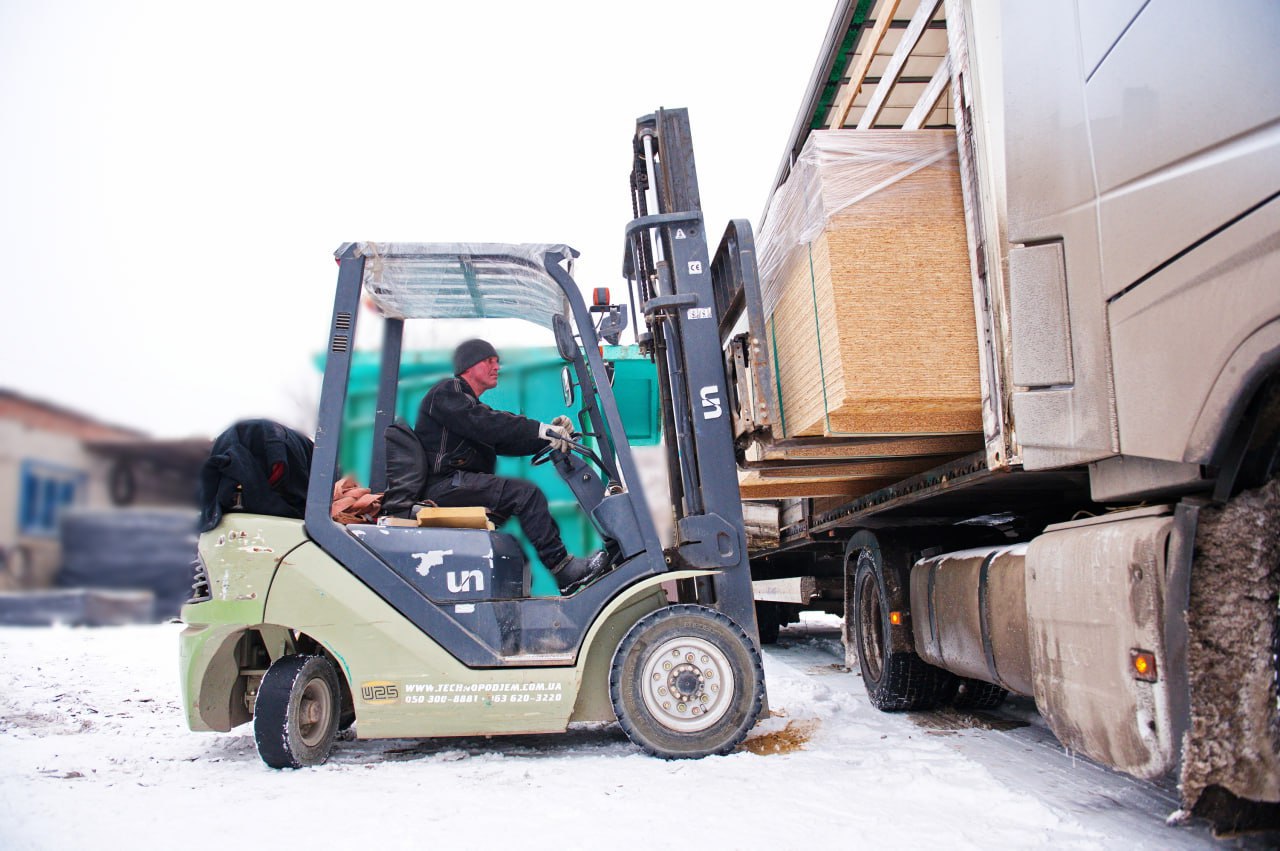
x: 295, y: 719
x: 686, y: 682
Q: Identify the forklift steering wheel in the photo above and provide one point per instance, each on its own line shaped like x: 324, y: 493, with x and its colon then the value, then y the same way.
x: 547, y: 452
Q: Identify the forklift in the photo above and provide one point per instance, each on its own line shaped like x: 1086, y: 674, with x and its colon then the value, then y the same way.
x: 309, y: 627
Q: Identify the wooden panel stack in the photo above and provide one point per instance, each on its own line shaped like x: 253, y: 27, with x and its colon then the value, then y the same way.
x: 845, y: 467
x: 867, y: 290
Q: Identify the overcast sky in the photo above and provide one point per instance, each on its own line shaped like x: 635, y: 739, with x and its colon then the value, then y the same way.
x: 174, y: 177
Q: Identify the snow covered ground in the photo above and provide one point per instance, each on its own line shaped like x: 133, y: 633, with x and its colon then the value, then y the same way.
x: 94, y: 753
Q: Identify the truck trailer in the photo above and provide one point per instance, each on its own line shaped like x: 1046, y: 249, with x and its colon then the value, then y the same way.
x: 1107, y: 538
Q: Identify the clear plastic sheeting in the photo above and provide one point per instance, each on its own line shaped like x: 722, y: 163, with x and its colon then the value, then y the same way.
x: 837, y: 169
x: 464, y: 280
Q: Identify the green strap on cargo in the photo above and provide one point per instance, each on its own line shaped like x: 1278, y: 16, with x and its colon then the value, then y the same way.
x: 822, y: 370
x: 817, y: 332
x: 777, y: 375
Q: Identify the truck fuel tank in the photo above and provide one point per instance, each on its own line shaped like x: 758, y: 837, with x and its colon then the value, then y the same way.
x: 1096, y: 591
x: 969, y: 614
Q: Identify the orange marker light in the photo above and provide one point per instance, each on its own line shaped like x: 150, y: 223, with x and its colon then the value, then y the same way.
x: 600, y: 296
x: 1143, y: 663
x: 895, y: 618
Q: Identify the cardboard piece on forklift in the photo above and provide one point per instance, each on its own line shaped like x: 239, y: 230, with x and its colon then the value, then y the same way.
x: 473, y: 517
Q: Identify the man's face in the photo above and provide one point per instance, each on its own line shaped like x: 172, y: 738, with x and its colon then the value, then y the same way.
x: 483, y: 375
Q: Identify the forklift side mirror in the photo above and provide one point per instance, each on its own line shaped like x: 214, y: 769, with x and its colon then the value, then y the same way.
x: 565, y: 344
x: 566, y: 384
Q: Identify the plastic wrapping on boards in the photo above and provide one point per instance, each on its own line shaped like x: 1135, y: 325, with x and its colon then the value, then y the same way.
x: 837, y: 169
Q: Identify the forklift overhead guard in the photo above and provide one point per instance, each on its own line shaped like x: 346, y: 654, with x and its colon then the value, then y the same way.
x: 443, y: 280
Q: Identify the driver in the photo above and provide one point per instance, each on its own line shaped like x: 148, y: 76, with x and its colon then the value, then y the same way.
x: 463, y: 436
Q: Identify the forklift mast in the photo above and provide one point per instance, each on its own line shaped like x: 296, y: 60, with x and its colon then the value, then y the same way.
x: 685, y: 304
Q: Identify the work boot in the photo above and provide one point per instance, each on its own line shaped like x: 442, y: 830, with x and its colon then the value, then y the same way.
x: 573, y: 572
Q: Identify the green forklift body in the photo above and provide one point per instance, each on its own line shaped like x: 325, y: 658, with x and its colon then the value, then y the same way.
x: 412, y: 657
x: 403, y: 684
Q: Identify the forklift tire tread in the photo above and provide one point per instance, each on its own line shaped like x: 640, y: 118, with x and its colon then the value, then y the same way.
x: 666, y: 683
x: 295, y: 719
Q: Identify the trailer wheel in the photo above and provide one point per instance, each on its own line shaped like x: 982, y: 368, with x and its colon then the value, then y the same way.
x: 686, y: 682
x: 976, y: 695
x: 896, y: 680
x: 295, y: 719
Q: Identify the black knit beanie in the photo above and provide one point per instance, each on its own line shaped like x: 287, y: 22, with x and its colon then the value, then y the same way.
x: 470, y: 353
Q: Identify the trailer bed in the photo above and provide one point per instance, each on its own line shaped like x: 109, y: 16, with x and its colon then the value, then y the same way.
x: 964, y: 490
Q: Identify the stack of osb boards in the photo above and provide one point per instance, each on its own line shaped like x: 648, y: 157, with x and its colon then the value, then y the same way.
x: 869, y: 306
x: 848, y: 468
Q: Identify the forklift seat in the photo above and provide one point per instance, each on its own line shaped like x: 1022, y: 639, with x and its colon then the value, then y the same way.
x: 406, y: 470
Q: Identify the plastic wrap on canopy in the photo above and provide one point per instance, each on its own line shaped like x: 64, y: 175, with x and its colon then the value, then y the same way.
x: 462, y: 280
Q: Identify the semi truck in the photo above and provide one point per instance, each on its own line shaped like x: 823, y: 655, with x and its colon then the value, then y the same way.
x: 1109, y: 543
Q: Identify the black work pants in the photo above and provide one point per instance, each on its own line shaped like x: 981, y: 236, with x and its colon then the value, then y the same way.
x: 504, y: 498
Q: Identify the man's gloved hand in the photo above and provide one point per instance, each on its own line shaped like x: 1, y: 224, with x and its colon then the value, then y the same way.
x: 563, y: 423
x: 557, y: 437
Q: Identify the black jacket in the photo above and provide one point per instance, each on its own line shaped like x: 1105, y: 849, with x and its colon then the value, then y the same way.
x: 459, y: 432
x: 258, y: 466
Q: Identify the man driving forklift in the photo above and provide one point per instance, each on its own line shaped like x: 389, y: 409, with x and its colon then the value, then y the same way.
x: 462, y: 438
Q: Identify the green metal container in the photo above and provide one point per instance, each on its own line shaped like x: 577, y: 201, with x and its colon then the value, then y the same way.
x: 529, y: 384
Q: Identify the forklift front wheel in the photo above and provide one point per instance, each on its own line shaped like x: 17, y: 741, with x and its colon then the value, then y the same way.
x: 295, y: 719
x: 686, y: 682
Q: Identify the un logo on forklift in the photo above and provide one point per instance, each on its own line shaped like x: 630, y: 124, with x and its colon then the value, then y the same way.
x: 461, y: 580
x: 710, y: 402
x: 381, y: 691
